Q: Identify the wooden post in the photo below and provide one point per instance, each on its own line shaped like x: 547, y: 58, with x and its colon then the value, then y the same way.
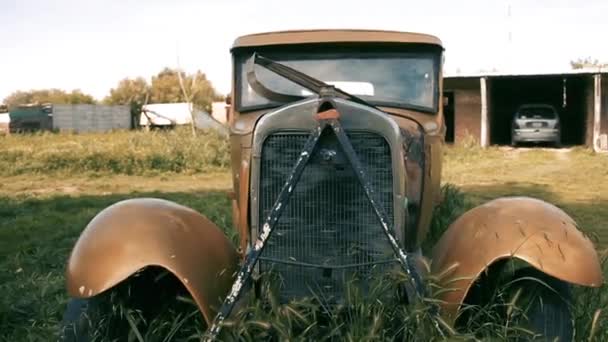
x: 484, y: 112
x: 597, y: 110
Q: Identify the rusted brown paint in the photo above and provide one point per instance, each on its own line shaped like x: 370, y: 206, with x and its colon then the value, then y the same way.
x: 424, y: 185
x: 242, y: 140
x: 136, y: 233
x: 243, y: 124
x: 327, y: 115
x: 333, y: 36
x: 432, y: 183
x: 107, y: 253
x: 513, y: 227
x: 242, y: 219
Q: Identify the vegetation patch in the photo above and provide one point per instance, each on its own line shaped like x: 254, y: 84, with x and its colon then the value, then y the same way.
x: 45, y: 204
x: 123, y: 152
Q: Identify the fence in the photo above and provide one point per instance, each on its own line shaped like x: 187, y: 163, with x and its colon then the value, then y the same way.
x: 91, y: 118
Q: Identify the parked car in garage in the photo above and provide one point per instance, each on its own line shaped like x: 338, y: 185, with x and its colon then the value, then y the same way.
x: 536, y: 123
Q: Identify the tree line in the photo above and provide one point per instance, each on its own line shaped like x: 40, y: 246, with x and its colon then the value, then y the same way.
x: 587, y: 62
x: 164, y: 88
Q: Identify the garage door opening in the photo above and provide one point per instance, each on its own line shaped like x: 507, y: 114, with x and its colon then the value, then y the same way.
x: 566, y: 94
x: 448, y: 114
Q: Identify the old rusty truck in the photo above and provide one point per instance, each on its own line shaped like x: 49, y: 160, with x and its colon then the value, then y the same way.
x: 337, y: 139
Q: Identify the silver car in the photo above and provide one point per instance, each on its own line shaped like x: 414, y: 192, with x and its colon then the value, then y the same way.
x: 536, y: 123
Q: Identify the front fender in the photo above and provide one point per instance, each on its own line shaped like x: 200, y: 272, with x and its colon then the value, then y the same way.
x: 136, y: 233
x: 512, y: 227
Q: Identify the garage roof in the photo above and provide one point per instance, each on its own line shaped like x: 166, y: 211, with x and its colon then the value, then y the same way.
x: 586, y: 71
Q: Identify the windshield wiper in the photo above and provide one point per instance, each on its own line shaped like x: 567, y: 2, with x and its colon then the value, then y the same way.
x: 316, y: 86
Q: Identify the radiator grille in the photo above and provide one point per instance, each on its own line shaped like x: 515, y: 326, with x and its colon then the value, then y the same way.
x: 328, y: 234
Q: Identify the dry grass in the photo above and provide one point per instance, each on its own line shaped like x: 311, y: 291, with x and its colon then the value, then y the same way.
x: 117, y: 153
x: 575, y: 180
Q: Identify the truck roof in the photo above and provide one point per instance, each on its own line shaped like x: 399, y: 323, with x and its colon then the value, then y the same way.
x: 333, y: 36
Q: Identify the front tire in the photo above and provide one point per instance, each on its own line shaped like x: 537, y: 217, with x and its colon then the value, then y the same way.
x: 81, y: 319
x: 519, y: 304
x: 151, y: 305
x: 541, y: 305
x: 75, y: 325
x: 558, y: 143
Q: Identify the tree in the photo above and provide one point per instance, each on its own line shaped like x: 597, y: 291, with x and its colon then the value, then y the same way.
x: 587, y: 62
x: 128, y: 91
x: 131, y: 92
x: 166, y: 88
x: 54, y: 96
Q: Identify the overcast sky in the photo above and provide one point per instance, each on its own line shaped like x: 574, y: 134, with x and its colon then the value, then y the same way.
x: 91, y: 45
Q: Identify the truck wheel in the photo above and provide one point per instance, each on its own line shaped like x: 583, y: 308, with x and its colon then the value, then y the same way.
x: 132, y: 310
x: 73, y: 324
x: 80, y: 320
x: 542, y: 305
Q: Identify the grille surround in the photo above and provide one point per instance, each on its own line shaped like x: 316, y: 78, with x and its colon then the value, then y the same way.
x: 328, y: 233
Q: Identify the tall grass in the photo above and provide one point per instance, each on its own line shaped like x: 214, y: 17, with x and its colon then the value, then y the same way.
x: 378, y: 314
x: 122, y: 152
x: 453, y: 204
x: 37, y: 235
x: 374, y: 315
x: 590, y: 309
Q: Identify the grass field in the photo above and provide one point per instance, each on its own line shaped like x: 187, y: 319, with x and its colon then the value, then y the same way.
x: 52, y: 185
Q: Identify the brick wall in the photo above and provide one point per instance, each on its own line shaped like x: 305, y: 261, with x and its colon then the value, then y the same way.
x: 467, y: 107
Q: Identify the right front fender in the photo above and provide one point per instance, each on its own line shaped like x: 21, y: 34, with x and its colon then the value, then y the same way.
x: 522, y: 228
x: 136, y: 233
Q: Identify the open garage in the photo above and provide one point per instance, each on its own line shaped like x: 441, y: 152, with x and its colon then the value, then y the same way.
x: 565, y: 94
x: 483, y: 106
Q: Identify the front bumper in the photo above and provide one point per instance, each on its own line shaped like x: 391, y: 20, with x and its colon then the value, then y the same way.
x: 536, y: 134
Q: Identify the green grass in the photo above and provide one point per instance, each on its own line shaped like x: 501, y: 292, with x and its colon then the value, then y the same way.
x: 54, y: 184
x: 36, y: 236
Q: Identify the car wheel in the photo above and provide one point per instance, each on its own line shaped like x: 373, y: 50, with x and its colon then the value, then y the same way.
x: 558, y: 143
x: 540, y: 304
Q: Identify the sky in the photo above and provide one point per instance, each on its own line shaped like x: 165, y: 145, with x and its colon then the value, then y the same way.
x: 91, y: 45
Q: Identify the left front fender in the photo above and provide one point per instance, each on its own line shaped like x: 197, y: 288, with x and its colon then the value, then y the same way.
x: 141, y: 232
x: 512, y: 227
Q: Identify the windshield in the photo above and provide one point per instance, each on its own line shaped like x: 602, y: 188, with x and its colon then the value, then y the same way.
x: 394, y: 79
x: 536, y: 113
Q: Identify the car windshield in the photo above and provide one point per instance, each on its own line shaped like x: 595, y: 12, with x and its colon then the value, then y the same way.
x: 384, y: 78
x: 536, y: 113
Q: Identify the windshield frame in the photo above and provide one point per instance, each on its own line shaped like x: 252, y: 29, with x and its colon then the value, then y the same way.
x: 308, y: 51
